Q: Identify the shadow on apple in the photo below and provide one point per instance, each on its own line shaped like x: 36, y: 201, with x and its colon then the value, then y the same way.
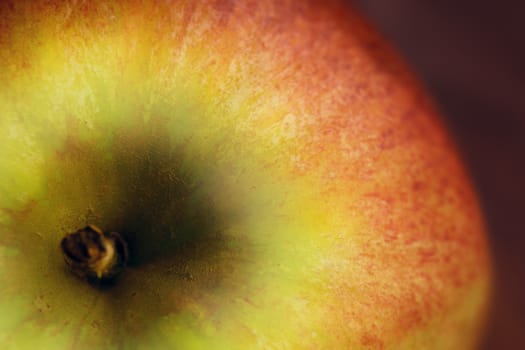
x: 137, y: 183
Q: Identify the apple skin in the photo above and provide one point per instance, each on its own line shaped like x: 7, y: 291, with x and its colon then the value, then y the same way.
x: 282, y: 179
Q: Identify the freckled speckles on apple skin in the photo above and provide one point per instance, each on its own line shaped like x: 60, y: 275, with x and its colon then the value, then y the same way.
x: 382, y: 145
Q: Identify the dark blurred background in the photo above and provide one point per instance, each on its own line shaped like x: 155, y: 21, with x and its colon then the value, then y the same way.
x: 471, y: 56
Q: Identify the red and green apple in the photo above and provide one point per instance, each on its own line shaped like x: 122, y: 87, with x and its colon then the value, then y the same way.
x: 281, y: 180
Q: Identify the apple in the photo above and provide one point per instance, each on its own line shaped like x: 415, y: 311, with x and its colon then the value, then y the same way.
x: 279, y: 176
